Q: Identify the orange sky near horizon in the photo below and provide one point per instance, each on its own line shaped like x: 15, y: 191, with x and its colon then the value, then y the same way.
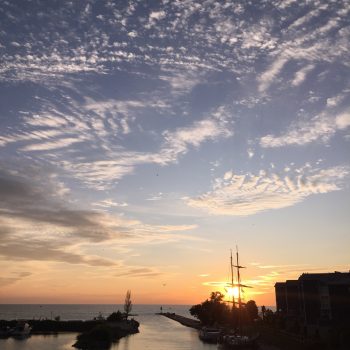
x: 80, y: 285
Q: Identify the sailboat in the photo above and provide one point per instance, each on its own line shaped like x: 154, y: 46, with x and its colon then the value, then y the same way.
x: 236, y: 339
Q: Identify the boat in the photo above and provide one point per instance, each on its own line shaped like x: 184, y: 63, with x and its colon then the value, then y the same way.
x: 236, y: 339
x: 21, y: 330
x: 210, y: 334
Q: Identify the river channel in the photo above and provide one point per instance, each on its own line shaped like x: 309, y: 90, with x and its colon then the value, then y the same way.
x: 156, y: 333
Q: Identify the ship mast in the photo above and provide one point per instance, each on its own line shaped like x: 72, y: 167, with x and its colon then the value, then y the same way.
x: 232, y: 282
x: 238, y: 279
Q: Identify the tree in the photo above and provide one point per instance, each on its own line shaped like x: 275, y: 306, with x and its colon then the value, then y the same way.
x: 127, y: 304
x: 212, y: 310
x: 269, y: 316
x: 263, y: 310
x: 216, y: 297
x: 115, y: 317
x: 252, y: 310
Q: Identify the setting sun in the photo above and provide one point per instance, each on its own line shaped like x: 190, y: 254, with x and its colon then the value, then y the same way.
x: 232, y: 292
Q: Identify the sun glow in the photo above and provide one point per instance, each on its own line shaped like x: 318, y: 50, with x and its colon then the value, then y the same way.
x: 232, y: 292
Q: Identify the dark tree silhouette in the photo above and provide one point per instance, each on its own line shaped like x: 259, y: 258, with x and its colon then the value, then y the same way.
x: 263, y: 310
x: 252, y: 310
x: 127, y: 304
x: 217, y: 297
x: 115, y: 317
x: 216, y: 311
x: 211, y: 311
x: 269, y: 316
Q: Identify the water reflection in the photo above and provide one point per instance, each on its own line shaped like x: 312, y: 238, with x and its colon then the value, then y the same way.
x: 40, y: 342
x: 156, y: 333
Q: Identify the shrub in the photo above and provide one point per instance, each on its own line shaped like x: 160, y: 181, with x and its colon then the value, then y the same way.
x: 115, y: 317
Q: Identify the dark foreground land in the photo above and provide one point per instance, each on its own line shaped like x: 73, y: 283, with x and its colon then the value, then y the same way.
x: 95, y: 334
x: 104, y: 334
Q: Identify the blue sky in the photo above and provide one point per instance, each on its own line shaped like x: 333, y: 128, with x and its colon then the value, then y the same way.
x: 140, y: 138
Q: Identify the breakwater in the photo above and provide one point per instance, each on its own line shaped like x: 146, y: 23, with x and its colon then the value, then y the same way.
x: 185, y: 321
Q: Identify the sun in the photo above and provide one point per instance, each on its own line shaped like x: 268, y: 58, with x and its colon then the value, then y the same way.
x: 232, y: 292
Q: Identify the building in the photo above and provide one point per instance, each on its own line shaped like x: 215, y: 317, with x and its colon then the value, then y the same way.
x: 315, y: 298
x: 325, y: 297
x: 280, y: 291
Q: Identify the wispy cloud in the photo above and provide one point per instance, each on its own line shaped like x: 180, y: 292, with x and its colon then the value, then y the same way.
x: 100, y: 174
x: 306, y: 45
x: 140, y: 272
x: 48, y: 146
x: 264, y: 283
x: 266, y: 79
x: 110, y: 203
x: 248, y: 194
x: 114, y: 162
x: 322, y: 127
x: 178, y: 142
x: 13, y: 278
x: 336, y: 100
x: 300, y: 76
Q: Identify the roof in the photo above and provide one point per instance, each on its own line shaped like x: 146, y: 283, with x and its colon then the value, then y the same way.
x: 329, y: 278
x: 280, y: 284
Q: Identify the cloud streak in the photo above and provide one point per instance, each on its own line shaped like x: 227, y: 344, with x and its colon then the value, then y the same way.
x: 52, y: 231
x: 243, y: 195
x: 320, y: 127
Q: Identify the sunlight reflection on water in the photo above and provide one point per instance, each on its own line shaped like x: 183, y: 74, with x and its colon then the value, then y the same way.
x: 158, y: 332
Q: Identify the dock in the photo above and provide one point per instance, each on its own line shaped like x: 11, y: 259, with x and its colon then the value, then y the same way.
x: 185, y: 321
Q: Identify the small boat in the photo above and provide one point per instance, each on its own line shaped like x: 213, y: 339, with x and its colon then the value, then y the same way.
x: 210, y: 334
x: 236, y: 339
x: 21, y: 330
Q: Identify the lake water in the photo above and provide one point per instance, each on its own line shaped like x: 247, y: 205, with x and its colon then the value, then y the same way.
x: 156, y: 332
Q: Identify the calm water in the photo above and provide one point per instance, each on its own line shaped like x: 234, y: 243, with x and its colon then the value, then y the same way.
x: 79, y: 311
x: 156, y: 332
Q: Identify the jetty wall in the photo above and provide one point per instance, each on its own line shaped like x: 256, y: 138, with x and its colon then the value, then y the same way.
x: 185, y: 321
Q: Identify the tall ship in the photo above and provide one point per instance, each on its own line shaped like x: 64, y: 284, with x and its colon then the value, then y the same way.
x: 236, y: 339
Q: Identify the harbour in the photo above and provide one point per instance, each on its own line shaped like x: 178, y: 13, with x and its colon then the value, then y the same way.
x: 155, y: 332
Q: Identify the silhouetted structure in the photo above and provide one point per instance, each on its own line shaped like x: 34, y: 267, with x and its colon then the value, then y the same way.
x: 325, y: 297
x: 280, y: 292
x: 315, y: 301
x: 292, y: 297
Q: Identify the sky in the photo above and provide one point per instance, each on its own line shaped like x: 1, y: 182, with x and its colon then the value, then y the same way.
x: 140, y: 141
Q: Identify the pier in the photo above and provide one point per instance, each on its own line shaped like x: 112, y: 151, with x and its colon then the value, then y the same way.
x: 185, y: 321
